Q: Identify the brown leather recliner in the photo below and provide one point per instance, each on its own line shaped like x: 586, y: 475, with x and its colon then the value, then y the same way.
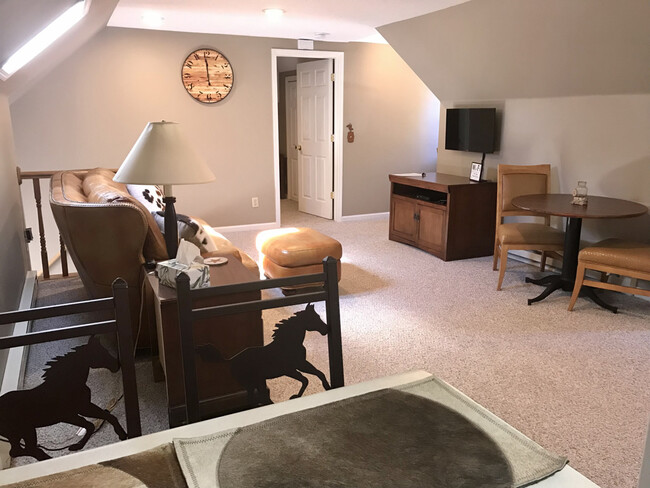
x: 110, y: 234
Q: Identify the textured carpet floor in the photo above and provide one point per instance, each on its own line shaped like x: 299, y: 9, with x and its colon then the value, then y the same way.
x: 575, y: 382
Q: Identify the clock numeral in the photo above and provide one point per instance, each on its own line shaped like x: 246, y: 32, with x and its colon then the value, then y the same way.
x: 187, y: 75
x: 227, y: 86
x: 224, y: 66
x: 209, y: 96
x: 206, y: 53
x: 190, y: 86
x: 228, y: 77
x: 189, y: 63
x: 196, y: 56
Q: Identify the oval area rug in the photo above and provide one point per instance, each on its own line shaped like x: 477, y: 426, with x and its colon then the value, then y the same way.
x: 387, y: 439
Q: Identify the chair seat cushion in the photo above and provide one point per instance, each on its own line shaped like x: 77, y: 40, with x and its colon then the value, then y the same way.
x: 529, y: 233
x: 292, y: 248
x: 618, y: 253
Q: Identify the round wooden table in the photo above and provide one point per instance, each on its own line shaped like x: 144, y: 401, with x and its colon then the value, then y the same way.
x: 560, y: 205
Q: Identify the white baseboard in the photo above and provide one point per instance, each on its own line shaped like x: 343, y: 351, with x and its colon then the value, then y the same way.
x: 372, y: 216
x: 17, y: 356
x: 246, y: 227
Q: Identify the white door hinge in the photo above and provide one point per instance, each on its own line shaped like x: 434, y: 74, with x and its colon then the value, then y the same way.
x: 332, y: 195
x: 332, y: 138
x: 333, y: 76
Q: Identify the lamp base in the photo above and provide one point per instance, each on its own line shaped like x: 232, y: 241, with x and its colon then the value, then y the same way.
x: 171, y: 227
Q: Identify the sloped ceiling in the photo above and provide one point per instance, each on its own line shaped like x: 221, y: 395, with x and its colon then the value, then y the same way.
x: 20, y: 21
x: 94, y: 21
x: 500, y: 49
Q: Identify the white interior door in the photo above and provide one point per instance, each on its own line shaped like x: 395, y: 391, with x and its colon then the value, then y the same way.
x: 292, y: 137
x: 315, y: 91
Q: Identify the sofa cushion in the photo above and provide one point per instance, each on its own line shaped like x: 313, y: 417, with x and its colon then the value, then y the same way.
x: 72, y: 188
x: 99, y: 187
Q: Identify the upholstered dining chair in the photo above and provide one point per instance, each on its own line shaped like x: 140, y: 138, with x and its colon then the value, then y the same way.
x: 617, y: 256
x: 513, y: 181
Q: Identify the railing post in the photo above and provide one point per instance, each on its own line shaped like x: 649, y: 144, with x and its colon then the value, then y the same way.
x: 41, y: 228
x: 127, y: 362
x: 334, y: 342
x: 185, y: 325
x: 64, y: 257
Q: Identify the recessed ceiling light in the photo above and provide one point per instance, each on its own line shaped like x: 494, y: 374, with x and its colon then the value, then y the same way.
x: 273, y: 13
x: 43, y: 39
x: 152, y: 19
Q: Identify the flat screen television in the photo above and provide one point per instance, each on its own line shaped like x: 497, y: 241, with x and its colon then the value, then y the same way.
x: 471, y: 129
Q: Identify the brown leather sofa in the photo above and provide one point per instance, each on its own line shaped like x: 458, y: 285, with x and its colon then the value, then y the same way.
x: 110, y: 234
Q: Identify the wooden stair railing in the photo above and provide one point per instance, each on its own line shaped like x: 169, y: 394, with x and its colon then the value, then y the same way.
x: 36, y: 177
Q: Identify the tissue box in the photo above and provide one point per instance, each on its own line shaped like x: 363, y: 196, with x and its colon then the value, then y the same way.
x: 168, y: 271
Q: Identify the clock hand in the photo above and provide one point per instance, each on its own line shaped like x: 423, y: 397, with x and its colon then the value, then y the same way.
x: 207, y: 70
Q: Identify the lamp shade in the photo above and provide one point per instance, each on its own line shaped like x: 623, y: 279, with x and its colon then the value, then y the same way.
x: 163, y: 156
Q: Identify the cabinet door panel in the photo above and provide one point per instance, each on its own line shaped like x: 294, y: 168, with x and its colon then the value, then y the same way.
x: 403, y: 222
x: 432, y: 228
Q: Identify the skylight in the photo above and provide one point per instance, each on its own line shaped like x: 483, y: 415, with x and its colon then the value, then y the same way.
x: 44, y: 38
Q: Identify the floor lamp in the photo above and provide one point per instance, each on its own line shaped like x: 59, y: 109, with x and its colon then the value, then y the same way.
x: 163, y: 156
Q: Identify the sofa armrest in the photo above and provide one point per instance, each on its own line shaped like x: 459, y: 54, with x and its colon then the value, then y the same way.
x: 224, y: 246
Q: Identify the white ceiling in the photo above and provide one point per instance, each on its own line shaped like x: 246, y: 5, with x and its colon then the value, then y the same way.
x: 330, y: 20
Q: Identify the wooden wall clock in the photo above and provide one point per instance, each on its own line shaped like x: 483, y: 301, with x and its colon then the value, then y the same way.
x: 207, y: 75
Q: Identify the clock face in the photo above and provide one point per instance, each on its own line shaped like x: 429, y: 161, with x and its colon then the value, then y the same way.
x: 207, y: 75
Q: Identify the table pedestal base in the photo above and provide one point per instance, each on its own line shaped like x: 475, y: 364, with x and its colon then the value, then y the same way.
x: 556, y: 282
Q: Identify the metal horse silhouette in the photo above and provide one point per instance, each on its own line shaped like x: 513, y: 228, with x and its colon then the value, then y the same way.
x: 284, y: 356
x: 62, y: 397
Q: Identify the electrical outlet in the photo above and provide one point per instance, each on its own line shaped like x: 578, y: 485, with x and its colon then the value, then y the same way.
x: 255, y: 202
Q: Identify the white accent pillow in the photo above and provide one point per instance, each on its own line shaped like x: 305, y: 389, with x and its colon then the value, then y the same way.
x: 151, y: 196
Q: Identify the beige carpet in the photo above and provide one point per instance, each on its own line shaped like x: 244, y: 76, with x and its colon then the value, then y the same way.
x: 575, y: 382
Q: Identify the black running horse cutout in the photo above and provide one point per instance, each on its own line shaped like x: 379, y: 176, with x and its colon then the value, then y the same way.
x: 284, y: 356
x: 62, y: 397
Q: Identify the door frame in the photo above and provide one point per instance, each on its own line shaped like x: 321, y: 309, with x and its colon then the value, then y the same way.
x: 338, y: 123
x: 287, y: 80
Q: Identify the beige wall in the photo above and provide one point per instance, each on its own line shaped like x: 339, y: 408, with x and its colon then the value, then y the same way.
x: 90, y: 110
x: 498, y: 49
x: 395, y: 120
x: 12, y: 245
x: 570, y: 81
x: 601, y: 139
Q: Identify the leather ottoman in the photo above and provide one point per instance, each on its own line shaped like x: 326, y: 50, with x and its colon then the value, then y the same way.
x: 296, y: 251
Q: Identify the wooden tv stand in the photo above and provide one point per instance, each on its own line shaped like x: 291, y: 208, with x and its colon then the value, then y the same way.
x: 448, y: 216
